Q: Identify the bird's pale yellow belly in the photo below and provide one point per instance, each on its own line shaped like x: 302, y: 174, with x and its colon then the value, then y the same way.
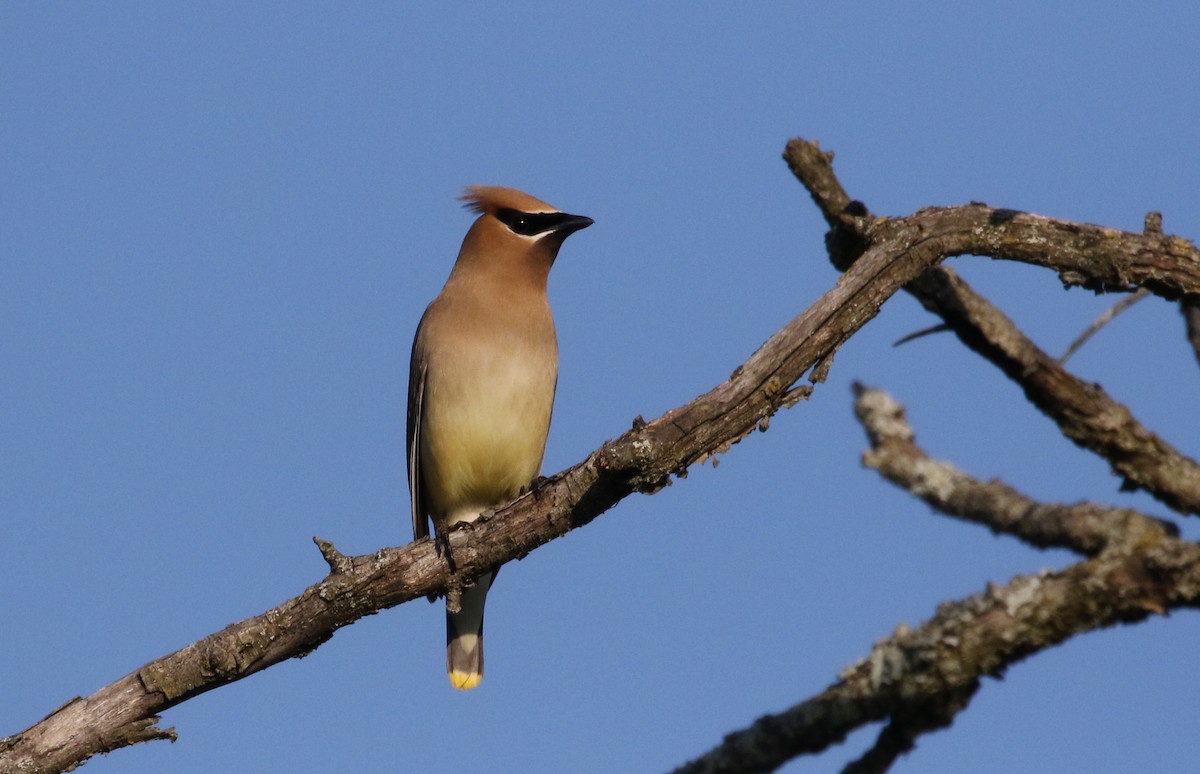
x: 483, y: 437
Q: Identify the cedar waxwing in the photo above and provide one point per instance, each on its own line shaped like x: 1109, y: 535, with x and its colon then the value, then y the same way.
x: 481, y: 385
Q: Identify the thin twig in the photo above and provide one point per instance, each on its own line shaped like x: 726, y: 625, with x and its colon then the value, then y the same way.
x: 1191, y: 318
x: 940, y: 328
x: 1104, y: 319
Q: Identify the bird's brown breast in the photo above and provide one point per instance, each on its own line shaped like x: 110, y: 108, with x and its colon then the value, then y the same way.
x: 489, y: 392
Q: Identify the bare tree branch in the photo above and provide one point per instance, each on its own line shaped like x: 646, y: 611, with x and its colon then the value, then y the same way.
x: 1085, y: 528
x: 899, y: 736
x: 967, y: 640
x: 1095, y: 257
x: 813, y: 167
x: 1084, y: 412
x: 920, y: 678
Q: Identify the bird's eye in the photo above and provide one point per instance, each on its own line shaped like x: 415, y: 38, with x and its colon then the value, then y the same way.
x: 517, y: 222
x: 528, y: 223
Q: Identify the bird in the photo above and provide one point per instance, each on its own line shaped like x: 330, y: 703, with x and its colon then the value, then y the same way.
x: 482, y: 379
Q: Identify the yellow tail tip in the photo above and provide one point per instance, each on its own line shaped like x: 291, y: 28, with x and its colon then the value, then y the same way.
x: 464, y: 681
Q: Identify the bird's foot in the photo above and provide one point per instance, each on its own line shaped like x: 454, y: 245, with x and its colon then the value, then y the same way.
x: 442, y: 546
x: 534, y: 487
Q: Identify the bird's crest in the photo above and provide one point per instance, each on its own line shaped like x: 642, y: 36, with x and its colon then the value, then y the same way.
x: 490, y: 198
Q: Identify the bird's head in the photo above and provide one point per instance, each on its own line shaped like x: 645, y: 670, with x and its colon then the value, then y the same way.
x: 515, y: 231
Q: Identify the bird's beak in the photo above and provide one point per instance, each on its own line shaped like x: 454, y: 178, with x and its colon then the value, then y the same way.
x: 572, y: 223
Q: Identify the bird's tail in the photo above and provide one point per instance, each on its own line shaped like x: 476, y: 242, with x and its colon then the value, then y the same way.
x: 464, y: 636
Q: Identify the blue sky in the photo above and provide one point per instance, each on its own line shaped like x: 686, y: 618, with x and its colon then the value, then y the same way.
x: 223, y: 221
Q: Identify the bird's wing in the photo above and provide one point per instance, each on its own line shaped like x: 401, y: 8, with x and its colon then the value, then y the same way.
x: 416, y: 392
